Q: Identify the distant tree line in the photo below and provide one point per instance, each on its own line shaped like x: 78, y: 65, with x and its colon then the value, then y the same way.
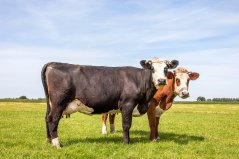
x: 22, y: 99
x: 199, y: 99
x: 25, y: 98
x: 202, y: 99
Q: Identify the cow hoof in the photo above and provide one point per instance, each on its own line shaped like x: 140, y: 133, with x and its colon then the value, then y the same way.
x: 56, y: 146
x: 112, y: 128
x: 104, y: 131
x: 156, y: 139
x: 112, y: 131
x: 55, y: 143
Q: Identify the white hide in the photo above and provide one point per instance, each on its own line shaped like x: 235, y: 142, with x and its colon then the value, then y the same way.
x: 183, y: 87
x: 104, y: 130
x: 55, y: 142
x: 158, y: 111
x: 158, y: 72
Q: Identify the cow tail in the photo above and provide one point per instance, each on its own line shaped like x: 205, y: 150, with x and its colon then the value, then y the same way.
x: 44, y: 82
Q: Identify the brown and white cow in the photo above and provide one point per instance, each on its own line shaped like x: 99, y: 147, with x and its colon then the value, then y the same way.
x: 177, y: 85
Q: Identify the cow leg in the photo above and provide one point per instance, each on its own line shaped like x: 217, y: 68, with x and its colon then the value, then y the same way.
x: 156, y: 129
x: 53, y: 121
x: 112, y: 121
x: 48, y: 140
x: 152, y: 121
x: 126, y: 122
x: 104, y: 119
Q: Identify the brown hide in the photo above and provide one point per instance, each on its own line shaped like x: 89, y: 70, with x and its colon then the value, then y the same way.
x: 165, y: 96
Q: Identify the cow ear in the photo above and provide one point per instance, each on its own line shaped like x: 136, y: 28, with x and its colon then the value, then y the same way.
x: 146, y: 64
x: 170, y: 75
x: 173, y: 64
x: 193, y: 75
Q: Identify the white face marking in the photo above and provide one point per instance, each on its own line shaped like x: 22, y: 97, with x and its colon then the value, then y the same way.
x: 104, y: 130
x: 55, y: 142
x: 77, y: 106
x: 158, y: 111
x: 182, y: 89
x: 158, y: 73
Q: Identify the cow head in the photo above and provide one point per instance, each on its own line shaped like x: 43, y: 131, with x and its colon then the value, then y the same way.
x: 182, y: 78
x: 159, y: 69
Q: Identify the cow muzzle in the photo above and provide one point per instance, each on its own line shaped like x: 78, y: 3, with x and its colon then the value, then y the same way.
x: 161, y: 81
x: 183, y: 93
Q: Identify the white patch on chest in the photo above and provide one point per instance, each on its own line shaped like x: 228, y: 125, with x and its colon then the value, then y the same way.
x: 77, y: 106
x: 158, y: 111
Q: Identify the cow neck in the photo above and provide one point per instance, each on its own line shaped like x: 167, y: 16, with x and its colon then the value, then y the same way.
x: 169, y: 95
x: 172, y: 94
x: 170, y: 84
x: 149, y: 87
x: 172, y: 87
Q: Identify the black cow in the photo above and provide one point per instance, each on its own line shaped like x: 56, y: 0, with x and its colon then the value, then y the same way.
x: 97, y: 89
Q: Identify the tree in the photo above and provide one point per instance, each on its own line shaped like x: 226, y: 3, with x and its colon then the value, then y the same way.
x: 201, y: 99
x: 22, y: 97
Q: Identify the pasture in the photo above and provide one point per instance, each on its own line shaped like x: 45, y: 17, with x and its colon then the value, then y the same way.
x: 186, y: 131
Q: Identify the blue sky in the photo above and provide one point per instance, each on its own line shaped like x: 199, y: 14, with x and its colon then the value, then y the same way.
x: 202, y: 34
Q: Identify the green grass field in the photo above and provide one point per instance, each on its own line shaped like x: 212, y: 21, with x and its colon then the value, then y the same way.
x: 186, y: 131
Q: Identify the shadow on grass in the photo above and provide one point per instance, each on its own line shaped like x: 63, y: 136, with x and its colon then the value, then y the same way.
x: 180, y: 138
x: 139, y: 136
x: 166, y: 137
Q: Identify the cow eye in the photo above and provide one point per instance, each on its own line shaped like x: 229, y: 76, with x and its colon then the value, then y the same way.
x: 152, y: 69
x: 165, y: 70
x: 177, y: 81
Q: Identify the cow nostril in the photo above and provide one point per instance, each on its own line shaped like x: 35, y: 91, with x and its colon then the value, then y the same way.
x: 185, y: 93
x: 162, y: 81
